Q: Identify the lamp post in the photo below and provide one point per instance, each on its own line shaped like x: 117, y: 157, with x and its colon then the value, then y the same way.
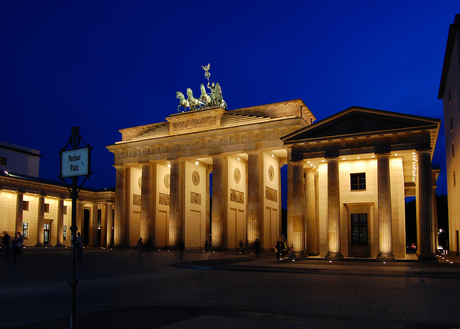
x: 74, y: 163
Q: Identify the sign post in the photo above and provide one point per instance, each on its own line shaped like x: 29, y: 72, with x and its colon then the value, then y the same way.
x: 75, y: 162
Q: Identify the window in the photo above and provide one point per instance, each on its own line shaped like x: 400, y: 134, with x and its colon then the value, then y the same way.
x: 359, y: 230
x: 453, y: 153
x: 454, y: 177
x: 64, y: 210
x: 47, y: 207
x: 358, y: 181
x: 451, y: 123
x: 25, y: 205
x: 3, y: 161
x: 25, y: 230
x: 64, y: 232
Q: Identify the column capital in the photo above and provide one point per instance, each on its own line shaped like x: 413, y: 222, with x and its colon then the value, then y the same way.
x: 382, y: 155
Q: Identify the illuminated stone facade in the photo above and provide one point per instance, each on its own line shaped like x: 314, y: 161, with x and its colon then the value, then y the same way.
x: 449, y: 92
x: 348, y: 176
x: 243, y: 150
x: 42, y: 211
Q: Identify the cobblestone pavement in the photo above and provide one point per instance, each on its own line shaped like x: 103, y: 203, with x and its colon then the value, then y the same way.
x: 118, y: 289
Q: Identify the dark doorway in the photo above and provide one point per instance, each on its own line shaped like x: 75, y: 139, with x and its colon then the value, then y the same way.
x: 86, y: 227
x: 47, y: 237
x: 359, y: 229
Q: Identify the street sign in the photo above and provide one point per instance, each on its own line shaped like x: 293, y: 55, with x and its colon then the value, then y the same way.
x: 75, y: 163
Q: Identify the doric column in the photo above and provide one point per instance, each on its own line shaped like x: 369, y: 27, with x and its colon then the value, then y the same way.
x: 290, y: 200
x: 109, y: 225
x: 41, y: 221
x: 120, y: 203
x: 208, y: 204
x: 280, y: 204
x: 435, y: 236
x: 147, y: 224
x: 384, y: 207
x: 310, y: 212
x: 219, y: 201
x: 298, y: 209
x: 333, y: 209
x: 19, y: 212
x: 176, y: 207
x: 60, y: 223
x: 425, y: 248
x: 103, y: 227
x: 255, y: 197
x: 93, y: 226
x: 80, y: 216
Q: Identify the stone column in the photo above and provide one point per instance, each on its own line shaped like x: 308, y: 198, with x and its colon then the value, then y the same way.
x: 310, y: 212
x: 103, y: 227
x: 120, y: 203
x: 333, y: 209
x: 425, y: 248
x: 176, y: 207
x: 19, y: 212
x: 280, y: 205
x: 219, y: 201
x: 208, y: 204
x: 93, y: 225
x: 290, y: 200
x: 147, y: 222
x: 109, y: 225
x: 298, y: 209
x: 384, y: 207
x: 41, y: 221
x: 435, y: 216
x: 255, y: 198
x: 60, y: 223
x: 80, y: 216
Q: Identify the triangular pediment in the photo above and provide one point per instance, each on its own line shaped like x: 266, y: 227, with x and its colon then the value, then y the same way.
x: 358, y: 121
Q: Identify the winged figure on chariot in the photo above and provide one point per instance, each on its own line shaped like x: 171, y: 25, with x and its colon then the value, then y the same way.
x: 211, y: 99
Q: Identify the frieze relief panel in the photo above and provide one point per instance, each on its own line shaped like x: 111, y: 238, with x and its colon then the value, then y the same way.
x: 164, y: 199
x: 236, y: 196
x: 136, y: 200
x: 195, y: 198
x: 271, y: 194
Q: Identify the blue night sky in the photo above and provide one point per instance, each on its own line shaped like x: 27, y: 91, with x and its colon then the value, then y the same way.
x: 108, y: 65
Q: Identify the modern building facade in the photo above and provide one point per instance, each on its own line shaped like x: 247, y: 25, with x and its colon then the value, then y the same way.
x: 449, y: 92
x: 19, y: 159
x: 348, y: 176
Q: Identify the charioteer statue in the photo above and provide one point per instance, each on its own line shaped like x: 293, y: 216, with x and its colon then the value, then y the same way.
x: 214, y: 98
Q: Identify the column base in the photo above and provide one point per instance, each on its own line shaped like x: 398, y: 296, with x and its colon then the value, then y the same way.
x: 334, y: 255
x: 59, y: 245
x: 39, y: 245
x: 387, y: 257
x: 428, y: 258
x: 312, y: 253
x: 298, y: 254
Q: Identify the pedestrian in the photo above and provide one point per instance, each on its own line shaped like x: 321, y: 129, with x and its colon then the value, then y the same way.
x: 206, y: 246
x: 6, y: 245
x: 241, y: 246
x: 79, y: 247
x: 20, y: 242
x: 257, y: 248
x: 279, y: 248
x: 181, y: 249
x: 139, y: 247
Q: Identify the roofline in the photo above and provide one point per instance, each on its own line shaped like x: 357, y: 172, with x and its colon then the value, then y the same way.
x: 49, y: 182
x: 361, y: 109
x: 453, y: 29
